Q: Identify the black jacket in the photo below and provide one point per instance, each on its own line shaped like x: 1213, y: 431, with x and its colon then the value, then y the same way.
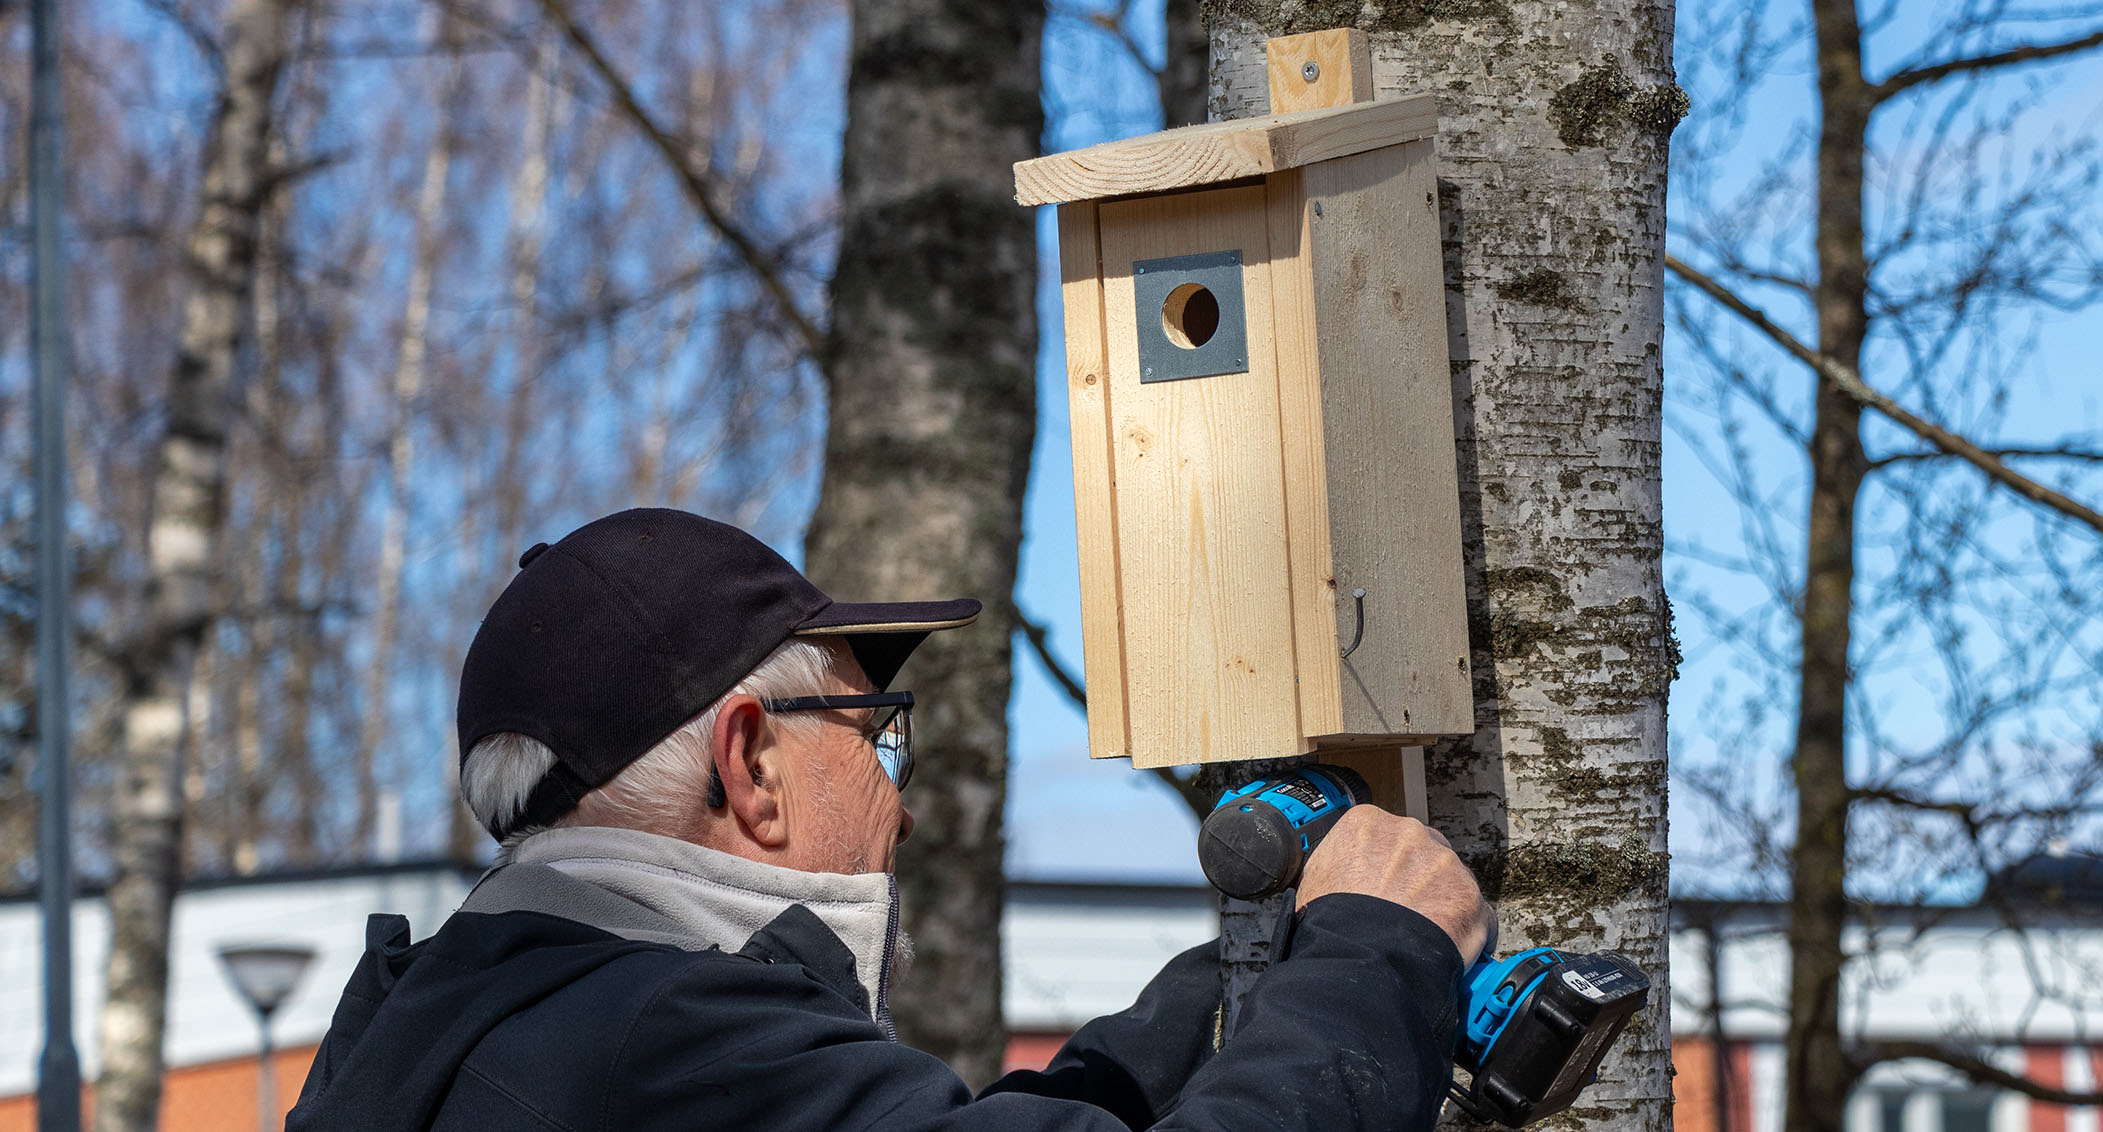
x: 526, y: 1020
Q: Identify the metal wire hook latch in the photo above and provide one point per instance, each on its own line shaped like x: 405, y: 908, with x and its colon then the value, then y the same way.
x: 1358, y: 634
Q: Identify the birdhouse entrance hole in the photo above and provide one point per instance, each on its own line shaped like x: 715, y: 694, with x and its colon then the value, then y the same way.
x: 1190, y: 316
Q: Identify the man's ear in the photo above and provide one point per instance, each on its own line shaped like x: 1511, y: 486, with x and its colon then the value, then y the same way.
x: 746, y: 763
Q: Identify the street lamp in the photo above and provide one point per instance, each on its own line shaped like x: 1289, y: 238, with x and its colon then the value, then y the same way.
x: 265, y: 974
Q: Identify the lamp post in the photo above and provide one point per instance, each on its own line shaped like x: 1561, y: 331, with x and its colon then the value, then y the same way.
x: 58, y: 1073
x: 265, y: 974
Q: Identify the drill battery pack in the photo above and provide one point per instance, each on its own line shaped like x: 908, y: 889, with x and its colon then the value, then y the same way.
x: 1534, y: 1034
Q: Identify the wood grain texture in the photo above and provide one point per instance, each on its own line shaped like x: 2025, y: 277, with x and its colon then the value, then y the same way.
x: 1396, y: 775
x: 1195, y: 156
x: 1346, y: 76
x: 1387, y: 416
x: 1307, y: 519
x: 1343, y: 59
x: 1095, y: 518
x: 1199, y: 507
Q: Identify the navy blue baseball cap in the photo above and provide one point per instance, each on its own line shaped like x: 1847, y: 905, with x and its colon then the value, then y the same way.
x: 607, y: 641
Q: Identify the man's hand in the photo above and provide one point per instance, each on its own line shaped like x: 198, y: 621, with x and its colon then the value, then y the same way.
x: 1373, y: 852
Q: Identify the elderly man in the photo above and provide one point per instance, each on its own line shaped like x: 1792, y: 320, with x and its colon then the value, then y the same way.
x: 694, y: 768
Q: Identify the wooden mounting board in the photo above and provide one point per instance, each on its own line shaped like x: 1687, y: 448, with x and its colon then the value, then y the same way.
x: 1395, y: 774
x: 1215, y: 152
x: 1387, y: 412
x: 1319, y: 68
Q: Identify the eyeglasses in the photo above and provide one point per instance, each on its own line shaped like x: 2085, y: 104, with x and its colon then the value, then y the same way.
x: 891, y: 733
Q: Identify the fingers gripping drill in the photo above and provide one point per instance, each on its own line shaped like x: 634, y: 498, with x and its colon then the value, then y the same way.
x: 1534, y: 1025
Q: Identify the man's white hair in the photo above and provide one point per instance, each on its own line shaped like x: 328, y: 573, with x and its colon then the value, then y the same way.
x: 658, y: 792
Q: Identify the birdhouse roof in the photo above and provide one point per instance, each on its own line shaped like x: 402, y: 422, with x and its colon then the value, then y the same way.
x: 1223, y: 151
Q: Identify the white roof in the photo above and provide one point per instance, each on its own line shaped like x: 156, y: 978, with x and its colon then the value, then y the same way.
x: 1950, y: 972
x: 207, y: 1019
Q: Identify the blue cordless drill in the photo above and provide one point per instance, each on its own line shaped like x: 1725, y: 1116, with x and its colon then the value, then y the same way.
x: 1534, y: 1025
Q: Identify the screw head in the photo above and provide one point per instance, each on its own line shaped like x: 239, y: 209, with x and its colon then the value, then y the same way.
x: 1310, y: 70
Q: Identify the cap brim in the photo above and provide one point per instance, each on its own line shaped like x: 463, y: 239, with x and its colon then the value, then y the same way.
x: 884, y: 634
x: 890, y: 617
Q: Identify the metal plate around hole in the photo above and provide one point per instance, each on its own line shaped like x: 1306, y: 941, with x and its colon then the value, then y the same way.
x: 1227, y: 351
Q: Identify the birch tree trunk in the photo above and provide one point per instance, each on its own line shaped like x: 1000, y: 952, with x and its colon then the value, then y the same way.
x: 1551, y: 149
x: 401, y: 461
x: 182, y: 549
x: 277, y: 515
x: 931, y: 377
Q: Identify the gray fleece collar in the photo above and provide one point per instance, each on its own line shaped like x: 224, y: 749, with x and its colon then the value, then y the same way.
x: 711, y: 899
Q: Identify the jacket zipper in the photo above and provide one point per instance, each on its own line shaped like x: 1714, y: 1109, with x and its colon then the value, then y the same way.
x: 883, y: 971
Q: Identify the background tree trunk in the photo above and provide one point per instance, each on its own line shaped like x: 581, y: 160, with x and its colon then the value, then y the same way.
x: 932, y: 414
x: 1818, y: 1075
x: 1185, y: 64
x: 182, y: 552
x: 1551, y: 149
x: 407, y: 396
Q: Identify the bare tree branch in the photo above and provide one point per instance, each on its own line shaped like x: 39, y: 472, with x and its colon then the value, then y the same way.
x: 1033, y: 631
x: 193, y: 29
x: 1039, y: 639
x: 2028, y: 52
x: 1964, y: 810
x: 1977, y: 1068
x: 2081, y: 455
x: 1196, y: 797
x: 1847, y: 381
x: 692, y: 180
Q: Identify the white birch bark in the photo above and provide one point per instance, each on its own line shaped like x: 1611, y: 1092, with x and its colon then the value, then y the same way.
x: 182, y: 551
x: 1551, y: 149
x: 528, y: 223
x: 401, y: 460
x: 277, y: 509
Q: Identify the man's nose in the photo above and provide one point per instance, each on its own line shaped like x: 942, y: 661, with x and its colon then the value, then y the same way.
x: 905, y: 824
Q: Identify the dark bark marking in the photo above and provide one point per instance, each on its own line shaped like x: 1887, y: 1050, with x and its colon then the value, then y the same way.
x: 1544, y: 585
x: 1604, y: 96
x: 1540, y: 287
x: 1291, y: 17
x: 1583, y: 875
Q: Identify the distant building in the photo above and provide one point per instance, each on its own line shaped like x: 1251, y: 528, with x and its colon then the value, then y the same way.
x: 1075, y: 951
x: 2016, y: 978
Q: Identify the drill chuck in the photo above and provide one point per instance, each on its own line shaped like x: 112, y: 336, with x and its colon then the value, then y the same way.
x: 1257, y: 839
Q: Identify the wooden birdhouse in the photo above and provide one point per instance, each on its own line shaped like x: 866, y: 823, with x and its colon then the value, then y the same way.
x: 1262, y: 425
